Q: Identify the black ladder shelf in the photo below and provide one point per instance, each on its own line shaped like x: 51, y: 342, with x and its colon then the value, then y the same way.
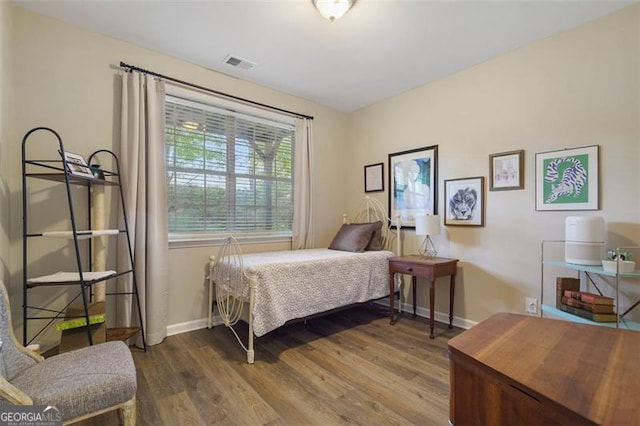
x: 84, y: 278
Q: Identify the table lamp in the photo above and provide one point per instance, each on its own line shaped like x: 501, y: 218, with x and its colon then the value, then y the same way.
x: 427, y: 225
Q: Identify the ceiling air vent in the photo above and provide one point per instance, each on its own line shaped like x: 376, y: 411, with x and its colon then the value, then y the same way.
x: 236, y: 61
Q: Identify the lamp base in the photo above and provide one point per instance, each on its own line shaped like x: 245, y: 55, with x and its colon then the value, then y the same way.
x: 428, y: 249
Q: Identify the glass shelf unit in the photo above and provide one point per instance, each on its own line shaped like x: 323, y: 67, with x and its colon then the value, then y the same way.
x: 592, y: 269
x: 589, y: 271
x: 623, y: 322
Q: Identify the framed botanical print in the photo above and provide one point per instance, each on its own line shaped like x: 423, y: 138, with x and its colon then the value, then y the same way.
x: 464, y: 201
x: 506, y: 171
x: 413, y: 184
x: 567, y: 179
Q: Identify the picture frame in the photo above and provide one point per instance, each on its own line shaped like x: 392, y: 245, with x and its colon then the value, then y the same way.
x: 76, y: 164
x: 506, y: 171
x: 568, y: 179
x: 413, y: 184
x: 374, y: 177
x: 464, y: 201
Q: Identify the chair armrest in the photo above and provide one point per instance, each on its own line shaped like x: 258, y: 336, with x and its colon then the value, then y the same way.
x: 28, y: 352
x: 35, y: 356
x: 13, y: 394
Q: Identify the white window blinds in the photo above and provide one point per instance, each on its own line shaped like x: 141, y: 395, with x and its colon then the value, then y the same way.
x: 227, y: 171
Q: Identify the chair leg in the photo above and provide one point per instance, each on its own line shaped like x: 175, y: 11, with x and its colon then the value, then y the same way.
x: 127, y: 412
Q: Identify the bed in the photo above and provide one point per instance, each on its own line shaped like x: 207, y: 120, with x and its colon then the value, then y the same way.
x: 268, y: 290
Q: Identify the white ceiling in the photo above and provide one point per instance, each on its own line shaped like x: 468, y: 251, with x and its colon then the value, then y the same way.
x: 379, y: 49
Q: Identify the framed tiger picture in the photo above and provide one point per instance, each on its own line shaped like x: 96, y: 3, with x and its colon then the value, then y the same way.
x: 464, y: 201
x: 568, y: 179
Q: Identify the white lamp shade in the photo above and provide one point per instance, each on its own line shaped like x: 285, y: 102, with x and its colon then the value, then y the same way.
x: 427, y: 225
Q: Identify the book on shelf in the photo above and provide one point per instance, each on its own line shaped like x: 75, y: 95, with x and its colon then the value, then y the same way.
x: 587, y: 297
x: 75, y: 316
x: 565, y: 283
x: 74, y: 338
x: 80, y: 322
x: 596, y: 309
x: 589, y: 315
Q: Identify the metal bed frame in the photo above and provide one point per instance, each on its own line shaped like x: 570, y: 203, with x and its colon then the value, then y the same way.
x: 231, y: 304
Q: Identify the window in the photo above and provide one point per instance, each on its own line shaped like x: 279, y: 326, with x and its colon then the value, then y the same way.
x: 227, y: 170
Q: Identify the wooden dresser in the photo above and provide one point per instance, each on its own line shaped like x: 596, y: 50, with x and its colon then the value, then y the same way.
x: 522, y: 370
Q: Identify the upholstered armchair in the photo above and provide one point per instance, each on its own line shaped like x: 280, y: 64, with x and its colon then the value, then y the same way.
x: 80, y: 384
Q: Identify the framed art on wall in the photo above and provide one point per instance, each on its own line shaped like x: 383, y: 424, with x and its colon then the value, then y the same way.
x: 506, y: 171
x: 567, y: 179
x: 464, y: 201
x: 413, y: 184
x: 373, y: 177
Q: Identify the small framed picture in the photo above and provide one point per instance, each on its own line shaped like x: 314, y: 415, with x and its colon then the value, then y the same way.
x: 464, y: 201
x: 76, y: 165
x: 567, y: 179
x: 506, y: 171
x: 374, y: 177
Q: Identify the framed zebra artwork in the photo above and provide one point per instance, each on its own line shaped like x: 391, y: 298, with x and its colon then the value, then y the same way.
x: 568, y: 179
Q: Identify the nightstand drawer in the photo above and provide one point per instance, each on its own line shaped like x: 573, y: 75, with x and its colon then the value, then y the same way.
x: 411, y: 269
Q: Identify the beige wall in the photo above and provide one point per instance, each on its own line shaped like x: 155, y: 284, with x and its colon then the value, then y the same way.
x: 575, y: 89
x: 64, y: 79
x: 5, y: 133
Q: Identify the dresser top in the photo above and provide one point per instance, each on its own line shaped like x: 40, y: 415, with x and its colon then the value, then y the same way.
x: 593, y: 371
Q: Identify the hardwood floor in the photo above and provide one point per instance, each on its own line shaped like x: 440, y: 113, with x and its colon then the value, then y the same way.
x: 350, y: 367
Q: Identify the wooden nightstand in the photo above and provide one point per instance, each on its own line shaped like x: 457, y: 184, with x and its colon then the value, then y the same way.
x: 430, y: 269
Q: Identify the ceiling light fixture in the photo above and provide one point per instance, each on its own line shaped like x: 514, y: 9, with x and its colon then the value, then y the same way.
x: 333, y: 9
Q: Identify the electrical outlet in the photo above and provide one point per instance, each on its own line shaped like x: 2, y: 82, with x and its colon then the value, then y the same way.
x: 531, y: 305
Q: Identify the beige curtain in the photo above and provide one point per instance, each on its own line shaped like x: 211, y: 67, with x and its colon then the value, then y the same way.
x: 303, y: 187
x: 142, y: 164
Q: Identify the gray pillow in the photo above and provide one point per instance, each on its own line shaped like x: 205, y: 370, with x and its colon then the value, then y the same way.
x: 376, y: 242
x: 354, y: 237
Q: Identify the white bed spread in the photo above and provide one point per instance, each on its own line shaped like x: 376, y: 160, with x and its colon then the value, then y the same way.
x: 299, y: 283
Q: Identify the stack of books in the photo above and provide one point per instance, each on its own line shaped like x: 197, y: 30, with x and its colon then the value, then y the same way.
x: 587, y: 305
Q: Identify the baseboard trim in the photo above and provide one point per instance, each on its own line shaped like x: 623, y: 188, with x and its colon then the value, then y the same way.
x: 185, y: 327
x: 439, y: 316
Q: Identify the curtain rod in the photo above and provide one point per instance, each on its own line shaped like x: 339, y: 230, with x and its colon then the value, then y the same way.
x: 206, y: 89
